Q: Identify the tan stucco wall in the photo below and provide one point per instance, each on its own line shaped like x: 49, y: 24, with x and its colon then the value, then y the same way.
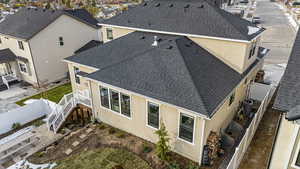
x: 226, y: 112
x: 285, y: 147
x: 234, y: 54
x: 47, y: 52
x: 136, y: 125
x: 117, y: 32
x: 12, y: 44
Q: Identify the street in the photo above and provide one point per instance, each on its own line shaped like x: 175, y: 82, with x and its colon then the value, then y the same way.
x: 280, y: 34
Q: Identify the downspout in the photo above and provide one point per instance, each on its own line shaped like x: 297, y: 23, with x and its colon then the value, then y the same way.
x: 202, y: 141
x: 36, y: 75
x: 92, y: 101
x: 275, y: 140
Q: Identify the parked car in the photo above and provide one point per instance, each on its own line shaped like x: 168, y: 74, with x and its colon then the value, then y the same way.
x: 256, y: 20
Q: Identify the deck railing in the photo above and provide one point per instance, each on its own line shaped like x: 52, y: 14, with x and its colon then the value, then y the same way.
x: 63, y: 109
x: 233, y: 161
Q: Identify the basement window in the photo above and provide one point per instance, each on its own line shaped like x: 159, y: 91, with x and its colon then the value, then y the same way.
x: 21, y: 46
x: 109, y: 34
x: 186, y: 128
x: 153, y: 115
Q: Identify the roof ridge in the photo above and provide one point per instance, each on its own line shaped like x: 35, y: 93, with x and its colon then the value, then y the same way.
x: 189, y: 74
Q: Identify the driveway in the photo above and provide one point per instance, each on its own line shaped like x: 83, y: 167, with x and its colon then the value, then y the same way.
x: 280, y: 34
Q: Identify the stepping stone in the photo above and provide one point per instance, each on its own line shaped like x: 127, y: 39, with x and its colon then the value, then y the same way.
x: 89, y: 130
x: 76, y: 143
x: 69, y: 151
x: 82, y: 136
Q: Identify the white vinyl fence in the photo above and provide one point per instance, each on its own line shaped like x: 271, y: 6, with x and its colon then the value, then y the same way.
x: 257, y: 90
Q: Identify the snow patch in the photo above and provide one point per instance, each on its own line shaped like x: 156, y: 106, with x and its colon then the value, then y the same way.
x: 252, y: 30
x: 24, y: 163
x: 15, y: 135
x: 273, y: 73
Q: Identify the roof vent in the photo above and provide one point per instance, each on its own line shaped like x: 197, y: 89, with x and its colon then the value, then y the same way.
x: 35, y: 9
x: 171, y: 5
x: 155, y: 43
x: 201, y: 6
x: 128, y: 21
x: 157, y: 5
x: 159, y: 39
x: 187, y: 45
x: 170, y: 47
x: 187, y: 6
x: 44, y: 10
x: 142, y: 37
x: 145, y: 4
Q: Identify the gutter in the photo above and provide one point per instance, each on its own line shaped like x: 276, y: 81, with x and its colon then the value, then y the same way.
x: 274, y: 140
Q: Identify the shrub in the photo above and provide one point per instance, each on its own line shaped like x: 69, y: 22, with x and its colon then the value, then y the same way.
x: 147, y: 148
x: 102, y: 126
x: 16, y: 126
x: 38, y: 123
x: 112, y: 131
x: 162, y: 146
x: 192, y: 166
x: 121, y: 134
x: 174, y: 165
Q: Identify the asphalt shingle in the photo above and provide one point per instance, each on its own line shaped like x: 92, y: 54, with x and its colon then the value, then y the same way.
x: 6, y: 55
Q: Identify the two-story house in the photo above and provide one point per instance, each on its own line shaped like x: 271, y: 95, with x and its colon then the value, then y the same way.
x: 34, y: 41
x: 286, y: 150
x: 184, y: 63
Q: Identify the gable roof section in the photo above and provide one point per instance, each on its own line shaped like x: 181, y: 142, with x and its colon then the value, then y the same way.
x: 177, y: 71
x: 196, y: 17
x: 288, y: 95
x: 6, y: 55
x: 28, y: 22
x: 89, y: 45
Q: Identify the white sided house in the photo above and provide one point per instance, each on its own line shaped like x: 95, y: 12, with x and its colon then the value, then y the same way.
x: 34, y: 41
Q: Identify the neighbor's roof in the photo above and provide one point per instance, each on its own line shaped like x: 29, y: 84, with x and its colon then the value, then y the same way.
x: 289, y: 88
x: 177, y: 71
x: 27, y: 22
x: 89, y: 45
x: 196, y: 17
x: 6, y: 55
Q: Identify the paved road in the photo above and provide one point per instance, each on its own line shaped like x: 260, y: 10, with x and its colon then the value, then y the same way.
x: 279, y: 35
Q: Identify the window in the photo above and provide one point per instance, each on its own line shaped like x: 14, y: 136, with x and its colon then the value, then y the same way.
x: 125, y: 105
x: 186, y: 128
x: 252, y: 50
x: 114, y: 100
x: 77, y: 78
x: 104, y: 97
x: 231, y: 99
x: 153, y: 115
x: 23, y: 67
x: 61, y: 41
x: 297, y: 162
x: 20, y: 43
x: 246, y: 81
x: 0, y: 40
x: 109, y: 34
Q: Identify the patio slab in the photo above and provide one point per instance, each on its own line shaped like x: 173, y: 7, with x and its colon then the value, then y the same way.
x: 68, y: 151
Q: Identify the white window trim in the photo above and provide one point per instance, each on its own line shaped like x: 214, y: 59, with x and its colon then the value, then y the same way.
x: 109, y: 104
x: 159, y: 115
x: 297, y: 150
x: 179, y: 119
x: 27, y: 72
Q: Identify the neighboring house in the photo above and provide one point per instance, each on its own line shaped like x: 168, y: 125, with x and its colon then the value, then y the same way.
x: 38, y: 39
x: 187, y: 64
x: 286, y: 153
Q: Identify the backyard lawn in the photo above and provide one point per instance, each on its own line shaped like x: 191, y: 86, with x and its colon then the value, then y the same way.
x: 54, y: 94
x: 103, y: 158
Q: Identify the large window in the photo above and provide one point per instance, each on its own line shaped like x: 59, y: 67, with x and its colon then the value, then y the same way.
x: 23, y: 67
x: 104, y: 97
x: 77, y: 78
x: 114, y: 100
x: 21, y: 46
x: 153, y: 115
x: 125, y: 105
x: 109, y: 34
x: 186, y: 128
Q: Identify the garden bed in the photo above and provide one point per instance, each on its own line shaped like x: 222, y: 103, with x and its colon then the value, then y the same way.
x: 103, y: 139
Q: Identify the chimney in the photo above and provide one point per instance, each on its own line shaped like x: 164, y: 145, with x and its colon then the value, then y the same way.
x: 155, y: 43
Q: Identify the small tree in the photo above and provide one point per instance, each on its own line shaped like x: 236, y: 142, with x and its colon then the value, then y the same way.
x: 16, y: 126
x: 162, y: 146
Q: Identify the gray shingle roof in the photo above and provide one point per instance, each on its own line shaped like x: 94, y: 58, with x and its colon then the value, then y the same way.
x: 177, y: 71
x: 6, y: 55
x: 289, y: 90
x: 197, y: 17
x: 27, y: 22
x: 89, y: 45
x: 293, y: 114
